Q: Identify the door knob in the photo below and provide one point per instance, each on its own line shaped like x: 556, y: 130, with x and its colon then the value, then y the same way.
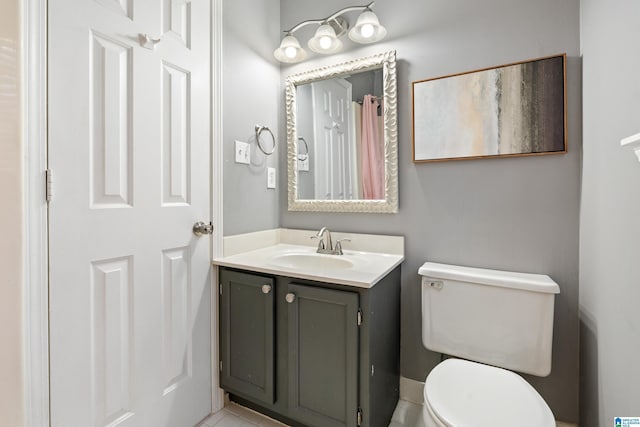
x: 200, y: 228
x: 290, y: 297
x: 266, y: 289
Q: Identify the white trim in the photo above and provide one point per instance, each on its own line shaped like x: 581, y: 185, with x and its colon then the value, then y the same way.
x: 411, y: 390
x: 35, y: 255
x: 217, y: 164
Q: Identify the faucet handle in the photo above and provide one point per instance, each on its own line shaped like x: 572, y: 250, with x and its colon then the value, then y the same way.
x: 338, y: 247
x: 320, y: 241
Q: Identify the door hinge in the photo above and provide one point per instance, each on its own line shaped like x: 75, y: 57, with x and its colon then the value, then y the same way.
x: 359, y: 416
x: 221, y: 366
x: 48, y: 189
x: 359, y: 317
x: 220, y: 288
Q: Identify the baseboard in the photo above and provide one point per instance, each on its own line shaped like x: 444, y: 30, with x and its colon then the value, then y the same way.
x: 411, y: 390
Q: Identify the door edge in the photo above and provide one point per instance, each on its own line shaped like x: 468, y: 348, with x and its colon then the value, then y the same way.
x: 217, y: 164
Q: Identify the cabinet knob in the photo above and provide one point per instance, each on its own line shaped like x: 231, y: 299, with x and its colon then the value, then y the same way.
x: 266, y: 289
x: 290, y: 297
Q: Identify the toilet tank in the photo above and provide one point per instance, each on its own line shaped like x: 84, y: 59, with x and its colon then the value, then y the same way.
x: 495, y: 317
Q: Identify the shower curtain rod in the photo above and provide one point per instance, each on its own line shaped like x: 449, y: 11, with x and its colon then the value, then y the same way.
x: 374, y: 97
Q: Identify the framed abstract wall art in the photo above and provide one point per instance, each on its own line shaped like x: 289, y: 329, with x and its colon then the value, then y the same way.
x: 517, y: 109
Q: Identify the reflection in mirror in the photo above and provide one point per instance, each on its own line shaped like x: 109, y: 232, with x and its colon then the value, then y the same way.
x: 342, y: 137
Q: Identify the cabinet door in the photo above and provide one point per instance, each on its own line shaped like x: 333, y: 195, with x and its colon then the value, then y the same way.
x: 323, y: 356
x: 247, y: 335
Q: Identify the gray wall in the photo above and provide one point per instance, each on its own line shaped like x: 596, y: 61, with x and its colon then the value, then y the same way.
x: 515, y: 213
x: 367, y: 83
x: 251, y: 95
x: 610, y: 209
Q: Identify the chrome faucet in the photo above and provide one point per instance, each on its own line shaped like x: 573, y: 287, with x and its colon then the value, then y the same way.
x: 325, y: 244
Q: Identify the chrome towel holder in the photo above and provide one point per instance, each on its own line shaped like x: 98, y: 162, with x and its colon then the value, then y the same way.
x: 259, y: 129
x: 303, y: 156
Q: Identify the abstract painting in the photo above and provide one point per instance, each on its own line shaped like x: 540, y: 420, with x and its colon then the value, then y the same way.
x: 510, y: 110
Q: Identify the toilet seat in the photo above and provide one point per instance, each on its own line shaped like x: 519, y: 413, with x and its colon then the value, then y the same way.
x: 460, y: 393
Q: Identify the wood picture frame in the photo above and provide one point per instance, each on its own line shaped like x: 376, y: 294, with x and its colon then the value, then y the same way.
x: 517, y: 109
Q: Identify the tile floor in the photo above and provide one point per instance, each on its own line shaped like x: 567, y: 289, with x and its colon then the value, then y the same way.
x: 238, y: 416
x: 405, y: 415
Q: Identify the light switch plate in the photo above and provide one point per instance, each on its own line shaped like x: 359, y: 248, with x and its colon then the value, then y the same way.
x: 271, y: 177
x: 303, y: 165
x: 243, y: 152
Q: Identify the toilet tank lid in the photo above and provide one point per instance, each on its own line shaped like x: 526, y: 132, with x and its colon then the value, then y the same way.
x: 505, y: 279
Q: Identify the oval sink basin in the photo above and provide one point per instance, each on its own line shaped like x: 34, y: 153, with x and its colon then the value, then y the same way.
x: 312, y: 261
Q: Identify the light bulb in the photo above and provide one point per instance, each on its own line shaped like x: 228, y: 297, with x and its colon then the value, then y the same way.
x: 366, y: 30
x: 290, y: 52
x: 325, y: 42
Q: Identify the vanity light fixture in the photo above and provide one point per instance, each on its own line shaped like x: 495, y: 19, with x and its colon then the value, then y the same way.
x: 325, y: 40
x: 367, y: 29
x: 290, y: 50
x: 327, y: 37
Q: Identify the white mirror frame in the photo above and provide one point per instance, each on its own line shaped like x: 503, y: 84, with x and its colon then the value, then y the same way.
x: 386, y: 61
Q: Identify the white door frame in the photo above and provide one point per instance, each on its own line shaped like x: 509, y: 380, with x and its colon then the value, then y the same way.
x: 35, y: 242
x: 35, y: 313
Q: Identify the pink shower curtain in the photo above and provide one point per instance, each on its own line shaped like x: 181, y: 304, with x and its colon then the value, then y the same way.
x: 372, y: 166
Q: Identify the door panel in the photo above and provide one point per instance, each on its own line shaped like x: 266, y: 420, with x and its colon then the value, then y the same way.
x: 335, y: 150
x: 323, y: 356
x: 247, y: 335
x: 111, y: 322
x: 129, y: 147
x: 111, y: 142
x: 176, y: 312
x: 176, y: 187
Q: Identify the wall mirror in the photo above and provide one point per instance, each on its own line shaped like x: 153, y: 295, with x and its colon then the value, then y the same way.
x: 342, y: 139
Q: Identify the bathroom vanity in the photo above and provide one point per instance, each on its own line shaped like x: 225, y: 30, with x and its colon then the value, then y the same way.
x: 305, y: 342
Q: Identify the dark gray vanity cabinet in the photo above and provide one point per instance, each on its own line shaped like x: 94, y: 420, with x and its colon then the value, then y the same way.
x: 247, y: 334
x: 323, y: 355
x: 309, y: 353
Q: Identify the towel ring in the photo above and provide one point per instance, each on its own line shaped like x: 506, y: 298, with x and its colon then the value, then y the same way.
x: 259, y: 130
x: 304, y: 156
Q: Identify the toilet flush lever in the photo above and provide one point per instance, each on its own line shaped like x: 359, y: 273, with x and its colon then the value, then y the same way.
x: 436, y: 284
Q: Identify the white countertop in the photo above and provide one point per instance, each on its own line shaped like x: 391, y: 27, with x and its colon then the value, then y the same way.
x: 368, y: 267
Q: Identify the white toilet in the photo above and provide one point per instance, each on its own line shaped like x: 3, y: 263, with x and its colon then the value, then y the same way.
x: 497, y: 318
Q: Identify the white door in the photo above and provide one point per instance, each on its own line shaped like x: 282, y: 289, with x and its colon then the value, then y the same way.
x: 129, y: 149
x: 334, y: 151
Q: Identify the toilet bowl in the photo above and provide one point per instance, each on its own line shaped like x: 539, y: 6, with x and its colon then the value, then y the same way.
x: 460, y: 393
x: 504, y: 320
